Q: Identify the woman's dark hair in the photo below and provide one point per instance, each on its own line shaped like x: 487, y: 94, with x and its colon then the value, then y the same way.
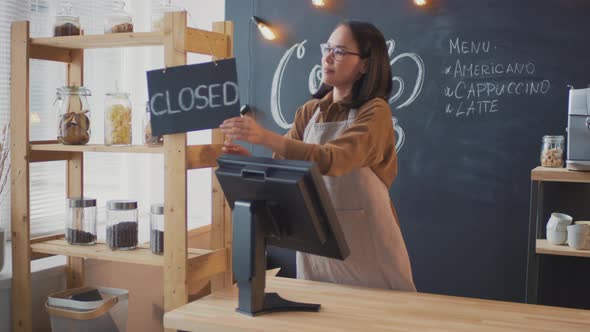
x: 376, y: 82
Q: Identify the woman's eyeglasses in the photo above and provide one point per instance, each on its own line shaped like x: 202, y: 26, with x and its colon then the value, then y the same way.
x: 338, y: 52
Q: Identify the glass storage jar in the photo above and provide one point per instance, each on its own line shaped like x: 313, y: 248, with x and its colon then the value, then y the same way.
x: 66, y: 22
x: 117, y: 119
x: 552, y: 151
x: 157, y: 228
x: 73, y: 111
x: 122, y: 224
x: 148, y: 138
x: 158, y: 14
x: 119, y: 20
x: 81, y: 221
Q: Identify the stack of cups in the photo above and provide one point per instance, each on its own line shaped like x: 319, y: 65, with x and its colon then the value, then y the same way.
x: 557, y: 228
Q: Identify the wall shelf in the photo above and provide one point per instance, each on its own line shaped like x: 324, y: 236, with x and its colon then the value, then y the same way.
x: 549, y: 174
x: 96, y: 148
x: 141, y: 255
x: 544, y: 247
x: 113, y: 40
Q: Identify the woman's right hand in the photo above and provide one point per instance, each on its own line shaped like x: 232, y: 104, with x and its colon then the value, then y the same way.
x: 231, y: 148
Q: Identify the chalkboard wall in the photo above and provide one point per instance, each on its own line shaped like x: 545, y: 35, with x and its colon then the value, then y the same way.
x: 477, y: 85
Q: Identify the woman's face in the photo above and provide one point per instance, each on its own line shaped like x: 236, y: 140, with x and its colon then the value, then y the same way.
x: 344, y: 69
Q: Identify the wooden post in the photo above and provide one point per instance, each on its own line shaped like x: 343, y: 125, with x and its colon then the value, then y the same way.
x: 22, y: 318
x: 221, y: 228
x: 175, y: 175
x: 75, y: 171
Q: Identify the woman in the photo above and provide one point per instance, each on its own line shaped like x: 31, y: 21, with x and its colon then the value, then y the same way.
x: 347, y: 130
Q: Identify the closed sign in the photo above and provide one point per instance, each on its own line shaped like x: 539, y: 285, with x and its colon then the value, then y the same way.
x: 193, y: 97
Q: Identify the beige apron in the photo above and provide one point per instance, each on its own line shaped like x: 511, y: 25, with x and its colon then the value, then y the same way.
x: 378, y: 256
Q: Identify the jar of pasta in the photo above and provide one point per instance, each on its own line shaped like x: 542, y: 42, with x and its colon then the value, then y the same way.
x: 117, y: 119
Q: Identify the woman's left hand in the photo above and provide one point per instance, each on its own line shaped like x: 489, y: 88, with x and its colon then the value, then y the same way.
x: 244, y: 129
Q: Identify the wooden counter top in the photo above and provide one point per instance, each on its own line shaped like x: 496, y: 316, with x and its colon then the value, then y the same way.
x: 346, y: 308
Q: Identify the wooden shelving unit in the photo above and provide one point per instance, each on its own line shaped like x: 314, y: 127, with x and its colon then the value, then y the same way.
x: 185, y: 269
x: 537, y: 243
x: 548, y: 174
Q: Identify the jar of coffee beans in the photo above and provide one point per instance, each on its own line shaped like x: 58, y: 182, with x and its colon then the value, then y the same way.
x: 122, y: 217
x: 66, y: 22
x: 81, y: 221
x: 157, y: 228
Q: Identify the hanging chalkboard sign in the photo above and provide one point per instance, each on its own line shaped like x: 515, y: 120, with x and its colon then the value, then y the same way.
x: 193, y: 97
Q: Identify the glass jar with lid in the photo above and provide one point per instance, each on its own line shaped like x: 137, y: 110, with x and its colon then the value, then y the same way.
x: 81, y: 221
x: 119, y: 20
x: 157, y: 228
x: 158, y: 14
x: 122, y: 224
x: 117, y: 119
x: 148, y: 138
x: 552, y: 151
x: 66, y: 22
x: 73, y: 112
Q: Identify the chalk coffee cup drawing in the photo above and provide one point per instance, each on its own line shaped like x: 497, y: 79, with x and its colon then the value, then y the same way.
x: 578, y: 236
x: 556, y: 228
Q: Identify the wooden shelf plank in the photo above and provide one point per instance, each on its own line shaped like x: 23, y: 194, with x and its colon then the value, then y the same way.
x: 206, y: 266
x: 44, y: 52
x: 96, y: 148
x: 141, y: 255
x: 559, y: 175
x: 201, y: 156
x: 132, y: 39
x: 544, y: 247
x: 45, y: 238
x: 44, y: 156
x: 206, y: 42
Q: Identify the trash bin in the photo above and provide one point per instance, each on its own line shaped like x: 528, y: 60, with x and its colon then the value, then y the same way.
x: 88, y: 309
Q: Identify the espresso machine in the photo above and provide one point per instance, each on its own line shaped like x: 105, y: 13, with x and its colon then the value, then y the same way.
x: 578, y: 130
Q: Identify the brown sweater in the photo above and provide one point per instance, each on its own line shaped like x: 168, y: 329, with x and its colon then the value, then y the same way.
x: 368, y: 142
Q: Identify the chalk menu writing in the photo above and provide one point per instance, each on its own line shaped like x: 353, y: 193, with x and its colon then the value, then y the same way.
x: 477, y: 84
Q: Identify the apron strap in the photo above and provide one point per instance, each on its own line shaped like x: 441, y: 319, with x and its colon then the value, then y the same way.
x: 352, y: 114
x: 315, y: 116
x: 311, y: 122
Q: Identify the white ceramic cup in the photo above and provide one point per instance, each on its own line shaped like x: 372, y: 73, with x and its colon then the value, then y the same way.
x: 578, y: 236
x: 555, y: 237
x: 556, y: 228
x: 559, y: 221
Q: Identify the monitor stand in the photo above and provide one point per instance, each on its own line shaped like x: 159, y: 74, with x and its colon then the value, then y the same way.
x: 252, y: 223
